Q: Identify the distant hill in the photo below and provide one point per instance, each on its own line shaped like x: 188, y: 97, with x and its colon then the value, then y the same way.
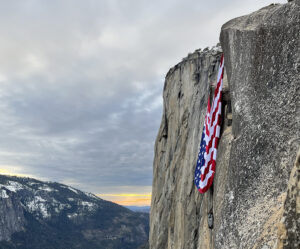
x: 36, y: 214
x: 143, y: 209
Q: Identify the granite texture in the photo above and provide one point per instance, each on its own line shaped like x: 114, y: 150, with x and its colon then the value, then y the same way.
x: 262, y: 59
x: 255, y: 195
x: 11, y: 214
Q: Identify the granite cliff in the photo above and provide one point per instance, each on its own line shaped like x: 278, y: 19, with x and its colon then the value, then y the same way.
x: 255, y: 196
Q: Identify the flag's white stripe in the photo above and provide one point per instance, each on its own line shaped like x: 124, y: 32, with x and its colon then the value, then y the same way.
x: 220, y: 73
x: 218, y: 131
x: 202, y: 184
x: 213, y: 146
x: 215, y: 154
x: 207, y: 156
x: 212, y: 150
x: 215, y: 121
x: 212, y: 128
x: 214, y: 125
x: 216, y: 99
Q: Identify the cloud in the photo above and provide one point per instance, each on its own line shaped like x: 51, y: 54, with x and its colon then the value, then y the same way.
x: 81, y: 83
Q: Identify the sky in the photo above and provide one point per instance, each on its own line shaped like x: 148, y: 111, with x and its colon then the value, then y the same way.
x: 81, y: 85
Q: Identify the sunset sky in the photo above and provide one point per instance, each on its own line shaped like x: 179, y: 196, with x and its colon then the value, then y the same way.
x: 128, y: 199
x: 81, y: 85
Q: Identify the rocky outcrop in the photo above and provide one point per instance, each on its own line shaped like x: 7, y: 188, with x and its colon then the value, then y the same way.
x: 254, y: 199
x: 11, y: 214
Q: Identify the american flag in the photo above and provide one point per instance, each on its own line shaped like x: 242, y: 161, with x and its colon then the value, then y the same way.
x: 206, y: 163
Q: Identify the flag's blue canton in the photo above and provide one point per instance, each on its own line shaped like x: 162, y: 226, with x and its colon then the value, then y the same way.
x: 200, y: 161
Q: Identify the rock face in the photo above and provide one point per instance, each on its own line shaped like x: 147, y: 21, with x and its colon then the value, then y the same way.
x: 35, y: 214
x: 255, y: 196
x: 176, y: 208
x: 262, y: 58
x: 11, y: 215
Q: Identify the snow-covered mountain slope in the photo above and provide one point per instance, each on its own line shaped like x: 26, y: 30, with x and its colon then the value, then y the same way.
x: 36, y: 214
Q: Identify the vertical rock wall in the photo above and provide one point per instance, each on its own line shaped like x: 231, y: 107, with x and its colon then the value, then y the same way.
x: 262, y: 58
x: 175, y: 208
x: 11, y: 214
x: 254, y: 199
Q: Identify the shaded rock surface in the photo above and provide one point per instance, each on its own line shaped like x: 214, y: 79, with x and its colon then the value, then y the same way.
x: 255, y: 196
x: 11, y: 215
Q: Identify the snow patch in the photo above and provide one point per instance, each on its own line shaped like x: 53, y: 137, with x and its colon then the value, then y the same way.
x: 3, y: 194
x: 38, y: 205
x: 44, y: 211
x: 91, y: 195
x: 58, y: 206
x: 88, y: 205
x: 32, y: 183
x: 46, y: 188
x: 61, y: 207
x: 13, y: 186
x: 71, y: 216
x: 39, y: 199
x: 64, y: 206
x: 72, y: 189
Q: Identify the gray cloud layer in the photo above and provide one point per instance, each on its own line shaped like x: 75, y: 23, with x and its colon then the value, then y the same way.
x: 81, y: 83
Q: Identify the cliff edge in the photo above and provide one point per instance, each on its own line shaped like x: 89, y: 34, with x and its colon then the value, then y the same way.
x: 254, y: 200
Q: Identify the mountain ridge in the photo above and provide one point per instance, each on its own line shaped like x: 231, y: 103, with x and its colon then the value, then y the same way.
x: 64, y: 217
x: 140, y: 209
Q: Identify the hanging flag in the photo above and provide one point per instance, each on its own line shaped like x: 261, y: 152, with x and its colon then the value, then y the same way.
x: 206, y: 163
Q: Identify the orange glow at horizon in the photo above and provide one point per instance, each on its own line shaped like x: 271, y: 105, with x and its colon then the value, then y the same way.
x: 128, y: 199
